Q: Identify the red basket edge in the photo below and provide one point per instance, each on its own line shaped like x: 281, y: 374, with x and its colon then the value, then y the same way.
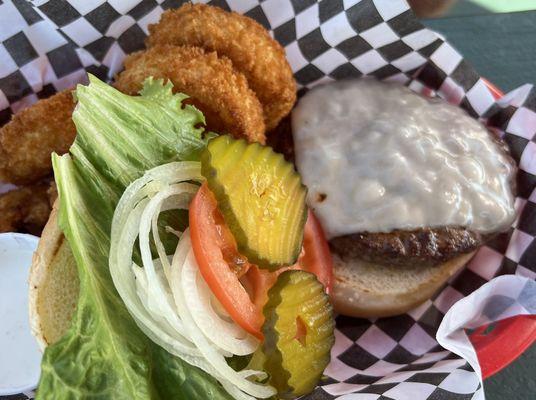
x: 510, y: 337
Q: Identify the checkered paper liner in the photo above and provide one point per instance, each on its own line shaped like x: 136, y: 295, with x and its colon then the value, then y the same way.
x: 48, y: 46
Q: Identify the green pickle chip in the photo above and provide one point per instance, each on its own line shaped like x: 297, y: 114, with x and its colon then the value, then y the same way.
x: 298, y: 333
x: 261, y: 198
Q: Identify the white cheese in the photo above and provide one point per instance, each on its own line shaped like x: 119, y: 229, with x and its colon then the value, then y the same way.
x: 378, y: 157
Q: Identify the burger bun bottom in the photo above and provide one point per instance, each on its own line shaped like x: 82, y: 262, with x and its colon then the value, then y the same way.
x: 366, y: 290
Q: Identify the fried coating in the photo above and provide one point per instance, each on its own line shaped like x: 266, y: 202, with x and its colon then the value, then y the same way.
x: 244, y: 41
x: 27, y: 141
x: 215, y: 87
x: 25, y: 209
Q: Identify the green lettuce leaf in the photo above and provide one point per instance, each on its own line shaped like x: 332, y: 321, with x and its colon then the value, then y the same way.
x: 104, y: 355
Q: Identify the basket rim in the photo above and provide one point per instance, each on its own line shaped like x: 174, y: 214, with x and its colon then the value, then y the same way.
x: 499, y: 344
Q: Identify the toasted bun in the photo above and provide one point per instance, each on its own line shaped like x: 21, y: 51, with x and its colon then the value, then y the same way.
x: 54, y: 285
x: 363, y: 289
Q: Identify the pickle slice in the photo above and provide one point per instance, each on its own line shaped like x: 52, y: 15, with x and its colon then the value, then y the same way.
x: 298, y: 333
x: 261, y: 198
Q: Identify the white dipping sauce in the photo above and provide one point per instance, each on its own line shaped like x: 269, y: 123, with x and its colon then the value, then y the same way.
x: 20, y: 356
x: 378, y: 157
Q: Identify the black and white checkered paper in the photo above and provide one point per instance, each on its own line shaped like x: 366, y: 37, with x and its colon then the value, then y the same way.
x: 46, y: 46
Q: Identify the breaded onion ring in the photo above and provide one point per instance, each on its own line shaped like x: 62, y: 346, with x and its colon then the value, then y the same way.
x: 244, y: 41
x: 215, y: 87
x: 25, y: 209
x: 27, y: 141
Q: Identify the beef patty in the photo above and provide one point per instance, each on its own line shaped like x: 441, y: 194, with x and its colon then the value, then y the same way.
x: 424, y: 246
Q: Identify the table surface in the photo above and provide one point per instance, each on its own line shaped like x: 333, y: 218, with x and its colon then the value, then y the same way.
x: 501, y: 46
x: 499, y: 38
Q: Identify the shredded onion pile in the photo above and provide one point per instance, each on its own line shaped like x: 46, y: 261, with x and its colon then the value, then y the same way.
x: 167, y: 296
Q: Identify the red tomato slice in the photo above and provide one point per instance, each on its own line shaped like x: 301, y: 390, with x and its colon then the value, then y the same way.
x: 316, y: 257
x: 219, y: 262
x: 241, y: 287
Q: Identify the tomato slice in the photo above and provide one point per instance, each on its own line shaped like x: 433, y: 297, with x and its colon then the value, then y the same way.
x: 219, y: 262
x: 241, y: 287
x: 316, y: 257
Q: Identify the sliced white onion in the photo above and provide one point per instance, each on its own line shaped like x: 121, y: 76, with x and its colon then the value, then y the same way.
x: 149, y: 183
x: 215, y: 358
x: 167, y: 297
x: 120, y: 261
x: 227, y: 335
x: 182, y: 200
x: 157, y: 301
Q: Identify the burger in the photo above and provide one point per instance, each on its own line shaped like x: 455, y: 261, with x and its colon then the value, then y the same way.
x: 407, y: 188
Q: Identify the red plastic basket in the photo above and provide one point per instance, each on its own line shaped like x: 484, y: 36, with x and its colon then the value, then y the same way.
x: 499, y: 344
